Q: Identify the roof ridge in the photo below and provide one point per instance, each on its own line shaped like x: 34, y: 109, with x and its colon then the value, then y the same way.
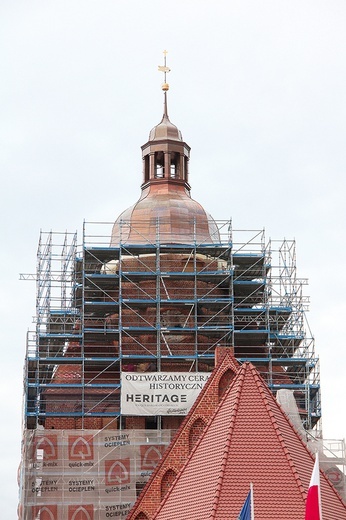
x: 240, y: 377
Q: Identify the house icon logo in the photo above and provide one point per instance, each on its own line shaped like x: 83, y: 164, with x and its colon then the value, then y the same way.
x: 150, y: 456
x: 49, y: 445
x: 80, y: 447
x: 118, y: 472
x: 85, y: 512
x: 45, y: 512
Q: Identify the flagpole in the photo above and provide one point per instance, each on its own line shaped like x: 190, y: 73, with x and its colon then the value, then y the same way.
x: 252, y: 502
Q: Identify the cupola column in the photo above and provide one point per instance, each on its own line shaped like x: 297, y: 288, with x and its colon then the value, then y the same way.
x: 152, y: 165
x: 167, y: 165
x: 182, y: 173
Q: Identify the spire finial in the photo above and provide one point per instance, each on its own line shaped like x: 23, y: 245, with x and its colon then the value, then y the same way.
x: 163, y: 68
x: 165, y: 87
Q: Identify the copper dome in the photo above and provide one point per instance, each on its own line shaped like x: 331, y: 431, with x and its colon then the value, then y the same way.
x: 165, y: 212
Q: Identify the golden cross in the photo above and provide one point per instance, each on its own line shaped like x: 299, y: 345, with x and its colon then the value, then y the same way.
x: 164, y: 68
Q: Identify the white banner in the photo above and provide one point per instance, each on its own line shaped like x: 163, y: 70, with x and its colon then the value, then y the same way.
x: 160, y: 393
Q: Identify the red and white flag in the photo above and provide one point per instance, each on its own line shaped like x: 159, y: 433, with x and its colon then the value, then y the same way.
x: 313, y: 502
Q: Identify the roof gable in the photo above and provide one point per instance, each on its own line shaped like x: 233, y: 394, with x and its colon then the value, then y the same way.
x: 177, y: 453
x: 248, y: 439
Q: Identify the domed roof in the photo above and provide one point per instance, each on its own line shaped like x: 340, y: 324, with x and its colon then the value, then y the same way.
x: 165, y: 130
x: 166, y: 213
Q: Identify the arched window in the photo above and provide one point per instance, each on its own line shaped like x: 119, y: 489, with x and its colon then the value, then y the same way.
x: 141, y: 516
x: 196, y: 431
x: 224, y: 382
x: 167, y: 480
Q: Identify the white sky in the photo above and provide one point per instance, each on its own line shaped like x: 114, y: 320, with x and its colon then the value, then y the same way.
x: 258, y: 90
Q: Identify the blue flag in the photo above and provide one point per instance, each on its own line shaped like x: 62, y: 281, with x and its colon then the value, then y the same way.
x: 245, y: 513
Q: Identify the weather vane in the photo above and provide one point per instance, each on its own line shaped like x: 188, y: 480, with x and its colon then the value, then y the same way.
x: 164, y: 69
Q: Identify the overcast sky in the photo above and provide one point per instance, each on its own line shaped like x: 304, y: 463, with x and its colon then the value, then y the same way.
x: 258, y: 91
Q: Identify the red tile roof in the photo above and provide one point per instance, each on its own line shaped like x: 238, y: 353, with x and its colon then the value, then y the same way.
x: 176, y: 454
x: 248, y: 439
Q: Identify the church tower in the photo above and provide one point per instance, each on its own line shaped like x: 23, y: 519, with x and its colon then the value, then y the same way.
x: 128, y: 322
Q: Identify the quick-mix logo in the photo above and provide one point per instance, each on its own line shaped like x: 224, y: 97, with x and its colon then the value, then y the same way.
x: 150, y: 456
x: 45, y: 512
x: 80, y: 450
x: 49, y: 446
x: 81, y: 512
x: 117, y: 475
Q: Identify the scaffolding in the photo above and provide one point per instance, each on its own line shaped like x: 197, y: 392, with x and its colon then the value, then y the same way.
x: 332, y: 455
x: 146, y: 307
x: 155, y: 306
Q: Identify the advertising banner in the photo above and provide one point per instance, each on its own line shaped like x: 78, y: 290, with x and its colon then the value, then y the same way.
x: 87, y: 474
x: 160, y: 393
